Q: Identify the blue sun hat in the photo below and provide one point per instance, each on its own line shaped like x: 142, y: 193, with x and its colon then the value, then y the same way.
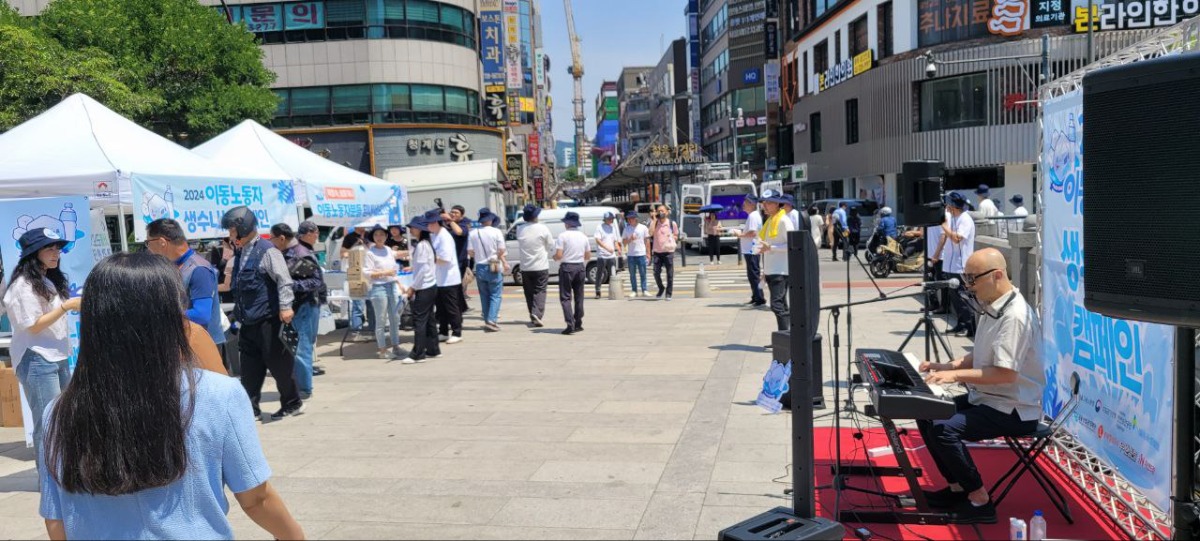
x: 571, y: 219
x: 956, y: 200
x: 35, y: 239
x: 486, y: 215
x: 631, y: 214
x: 530, y: 212
x: 420, y: 223
x: 772, y: 196
x: 1017, y: 200
x: 983, y: 189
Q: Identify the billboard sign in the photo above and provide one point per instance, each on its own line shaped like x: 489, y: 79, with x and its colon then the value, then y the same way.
x: 944, y: 21
x: 1133, y: 14
x: 495, y: 105
x: 491, y: 46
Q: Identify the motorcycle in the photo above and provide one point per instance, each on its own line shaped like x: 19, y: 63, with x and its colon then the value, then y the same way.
x: 886, y: 255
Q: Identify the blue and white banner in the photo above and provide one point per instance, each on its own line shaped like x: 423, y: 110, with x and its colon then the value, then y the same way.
x: 1124, y: 415
x: 67, y: 218
x: 199, y: 204
x: 349, y: 204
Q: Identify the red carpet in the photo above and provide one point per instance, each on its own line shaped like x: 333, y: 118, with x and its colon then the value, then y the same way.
x: 1090, y: 523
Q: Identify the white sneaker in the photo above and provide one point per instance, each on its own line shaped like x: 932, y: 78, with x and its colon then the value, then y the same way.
x: 537, y: 321
x: 409, y: 360
x: 454, y: 340
x: 443, y: 338
x: 427, y: 358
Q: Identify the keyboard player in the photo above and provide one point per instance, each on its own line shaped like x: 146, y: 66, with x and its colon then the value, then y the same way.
x: 1005, y: 380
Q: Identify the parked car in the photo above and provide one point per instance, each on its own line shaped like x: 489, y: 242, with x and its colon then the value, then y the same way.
x: 589, y: 219
x: 866, y: 212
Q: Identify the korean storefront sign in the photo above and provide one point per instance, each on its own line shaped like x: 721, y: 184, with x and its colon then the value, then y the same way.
x: 495, y: 105
x: 456, y: 147
x: 943, y: 21
x: 1134, y: 14
x: 491, y: 45
x: 514, y: 168
x: 843, y: 71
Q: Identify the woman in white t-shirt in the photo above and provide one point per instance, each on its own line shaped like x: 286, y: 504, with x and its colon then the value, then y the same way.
x: 37, y: 301
x: 423, y: 293
x: 379, y: 265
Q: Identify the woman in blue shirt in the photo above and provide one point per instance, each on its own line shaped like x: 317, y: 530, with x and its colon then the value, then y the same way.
x: 142, y: 443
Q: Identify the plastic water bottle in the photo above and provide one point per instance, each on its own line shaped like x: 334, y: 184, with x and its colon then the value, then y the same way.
x: 1037, y: 526
x: 1017, y: 529
x: 70, y: 221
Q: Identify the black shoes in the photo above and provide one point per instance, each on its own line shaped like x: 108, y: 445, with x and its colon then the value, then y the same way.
x: 579, y: 328
x: 318, y: 371
x: 568, y: 331
x: 969, y: 513
x: 288, y: 412
x: 944, y: 498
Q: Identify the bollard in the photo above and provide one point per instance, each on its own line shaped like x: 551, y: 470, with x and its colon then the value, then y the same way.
x: 701, y: 283
x: 616, y: 287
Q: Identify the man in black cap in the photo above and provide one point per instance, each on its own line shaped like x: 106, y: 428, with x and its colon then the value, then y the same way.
x: 308, y: 285
x: 262, y: 289
x: 573, y: 251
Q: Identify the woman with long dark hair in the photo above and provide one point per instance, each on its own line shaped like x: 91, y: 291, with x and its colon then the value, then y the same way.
x: 143, y: 442
x: 37, y: 301
x: 423, y: 294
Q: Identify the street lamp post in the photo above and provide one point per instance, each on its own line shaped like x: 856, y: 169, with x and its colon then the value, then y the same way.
x: 733, y: 122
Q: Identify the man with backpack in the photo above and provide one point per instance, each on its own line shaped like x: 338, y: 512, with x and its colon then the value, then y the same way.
x: 308, y: 284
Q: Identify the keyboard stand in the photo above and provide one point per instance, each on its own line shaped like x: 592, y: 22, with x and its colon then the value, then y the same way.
x: 911, y: 509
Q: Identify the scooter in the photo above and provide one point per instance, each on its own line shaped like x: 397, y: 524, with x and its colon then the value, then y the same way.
x: 884, y: 258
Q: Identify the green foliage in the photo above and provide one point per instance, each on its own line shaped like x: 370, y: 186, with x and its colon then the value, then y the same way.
x: 202, y: 73
x: 571, y: 174
x: 36, y: 73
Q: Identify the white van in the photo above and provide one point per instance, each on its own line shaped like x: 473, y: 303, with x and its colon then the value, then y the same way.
x: 589, y: 219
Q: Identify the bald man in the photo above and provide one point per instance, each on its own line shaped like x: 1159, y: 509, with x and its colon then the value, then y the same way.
x: 1005, y: 380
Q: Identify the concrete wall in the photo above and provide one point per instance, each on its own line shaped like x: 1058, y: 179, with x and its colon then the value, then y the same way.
x: 373, y: 61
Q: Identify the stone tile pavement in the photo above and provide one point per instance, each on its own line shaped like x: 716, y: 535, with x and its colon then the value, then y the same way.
x: 636, y: 428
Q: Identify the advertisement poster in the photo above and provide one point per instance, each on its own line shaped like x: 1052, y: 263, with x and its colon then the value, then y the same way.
x: 495, y: 105
x: 1132, y: 14
x: 944, y: 21
x: 1125, y: 367
x: 198, y: 206
x: 68, y: 219
x: 491, y: 47
x: 349, y: 204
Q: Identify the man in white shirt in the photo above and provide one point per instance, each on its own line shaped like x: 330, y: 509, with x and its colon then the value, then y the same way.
x: 816, y: 225
x: 1005, y: 377
x: 1018, y: 204
x: 747, y: 235
x: 773, y: 242
x: 987, y: 207
x: 572, y: 251
x: 536, y: 245
x: 634, y: 239
x: 486, y: 246
x: 449, y: 280
x: 608, y: 247
x: 958, y: 243
x: 789, y: 205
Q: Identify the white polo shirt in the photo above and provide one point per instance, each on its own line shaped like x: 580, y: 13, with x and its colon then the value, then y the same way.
x: 609, y: 235
x: 485, y: 242
x: 574, y: 244
x: 634, y: 238
x: 775, y: 262
x: 955, y: 254
x: 447, y: 253
x: 1011, y: 342
x: 754, y: 222
x: 535, y: 241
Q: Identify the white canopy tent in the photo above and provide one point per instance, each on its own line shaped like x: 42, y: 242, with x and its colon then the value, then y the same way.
x: 328, y: 186
x: 81, y: 147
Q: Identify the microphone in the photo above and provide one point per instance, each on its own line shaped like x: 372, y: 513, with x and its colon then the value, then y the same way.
x: 952, y: 283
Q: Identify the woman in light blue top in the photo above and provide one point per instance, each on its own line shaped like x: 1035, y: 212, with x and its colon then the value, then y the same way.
x: 142, y: 443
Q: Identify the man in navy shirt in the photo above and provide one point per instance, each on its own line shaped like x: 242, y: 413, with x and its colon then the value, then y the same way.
x: 165, y: 237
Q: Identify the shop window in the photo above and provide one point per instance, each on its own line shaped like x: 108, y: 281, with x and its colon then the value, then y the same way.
x: 821, y: 57
x: 814, y: 132
x: 352, y: 99
x: 427, y: 98
x: 851, y: 121
x: 804, y: 75
x: 332, y: 20
x: 380, y: 103
x: 837, y: 47
x: 884, y: 30
x: 858, y: 36
x: 310, y: 101
x: 954, y: 102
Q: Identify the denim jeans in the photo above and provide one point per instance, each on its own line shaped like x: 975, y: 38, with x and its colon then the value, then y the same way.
x: 491, y: 286
x: 637, y: 267
x: 305, y: 322
x: 43, y: 380
x: 386, y: 307
x: 357, y: 315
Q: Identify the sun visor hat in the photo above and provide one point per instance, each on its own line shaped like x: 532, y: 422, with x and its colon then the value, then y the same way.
x: 241, y: 219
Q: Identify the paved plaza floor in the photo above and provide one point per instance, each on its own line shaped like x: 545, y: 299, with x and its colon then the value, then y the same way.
x: 640, y: 427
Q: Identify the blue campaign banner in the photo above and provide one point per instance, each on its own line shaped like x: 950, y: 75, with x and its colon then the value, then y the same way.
x: 198, y: 204
x: 1124, y: 415
x: 349, y: 204
x: 491, y: 48
x: 63, y: 217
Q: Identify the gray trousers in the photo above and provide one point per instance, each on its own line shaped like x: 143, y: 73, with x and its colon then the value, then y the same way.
x: 534, y: 283
x: 570, y: 293
x: 605, y: 268
x: 778, y: 286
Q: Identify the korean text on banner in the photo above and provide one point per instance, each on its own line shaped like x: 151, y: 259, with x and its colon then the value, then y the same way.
x: 199, y: 205
x: 68, y: 218
x: 1125, y: 410
x: 350, y: 204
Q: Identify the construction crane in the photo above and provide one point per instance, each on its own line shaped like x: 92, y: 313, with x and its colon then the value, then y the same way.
x: 576, y: 71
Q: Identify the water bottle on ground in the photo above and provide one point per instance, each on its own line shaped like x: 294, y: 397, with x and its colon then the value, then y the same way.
x: 1017, y: 529
x: 1037, y: 526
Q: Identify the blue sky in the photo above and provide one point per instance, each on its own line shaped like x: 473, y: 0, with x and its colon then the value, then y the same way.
x: 613, y: 34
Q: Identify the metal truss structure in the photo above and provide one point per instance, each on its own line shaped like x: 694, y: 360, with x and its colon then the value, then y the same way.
x: 1137, y: 517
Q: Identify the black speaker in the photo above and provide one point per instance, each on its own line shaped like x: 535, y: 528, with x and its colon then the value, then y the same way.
x: 919, y: 194
x: 1142, y: 161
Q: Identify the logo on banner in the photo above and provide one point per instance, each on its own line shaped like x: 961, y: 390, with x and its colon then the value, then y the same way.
x: 751, y: 76
x: 344, y: 194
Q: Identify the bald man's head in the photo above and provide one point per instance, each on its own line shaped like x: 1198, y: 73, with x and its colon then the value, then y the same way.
x: 986, y: 274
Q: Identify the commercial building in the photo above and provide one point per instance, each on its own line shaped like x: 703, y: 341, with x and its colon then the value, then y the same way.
x: 731, y: 41
x: 634, y: 102
x: 668, y: 83
x: 605, y: 147
x: 870, y: 84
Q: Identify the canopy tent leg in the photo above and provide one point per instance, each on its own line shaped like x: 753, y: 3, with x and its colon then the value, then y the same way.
x: 121, y: 218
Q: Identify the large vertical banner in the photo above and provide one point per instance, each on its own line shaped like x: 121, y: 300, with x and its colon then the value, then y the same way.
x: 199, y: 205
x: 693, y: 22
x: 68, y: 219
x: 1124, y: 415
x: 512, y: 45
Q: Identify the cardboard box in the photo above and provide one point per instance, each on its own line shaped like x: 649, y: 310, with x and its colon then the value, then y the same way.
x: 10, y: 399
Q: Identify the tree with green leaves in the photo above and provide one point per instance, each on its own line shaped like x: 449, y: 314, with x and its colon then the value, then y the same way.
x: 570, y: 175
x: 36, y: 72
x: 203, y: 73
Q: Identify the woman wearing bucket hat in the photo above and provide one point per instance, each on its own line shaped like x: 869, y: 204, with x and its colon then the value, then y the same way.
x: 423, y: 294
x: 486, y: 247
x: 37, y: 301
x: 380, y: 266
